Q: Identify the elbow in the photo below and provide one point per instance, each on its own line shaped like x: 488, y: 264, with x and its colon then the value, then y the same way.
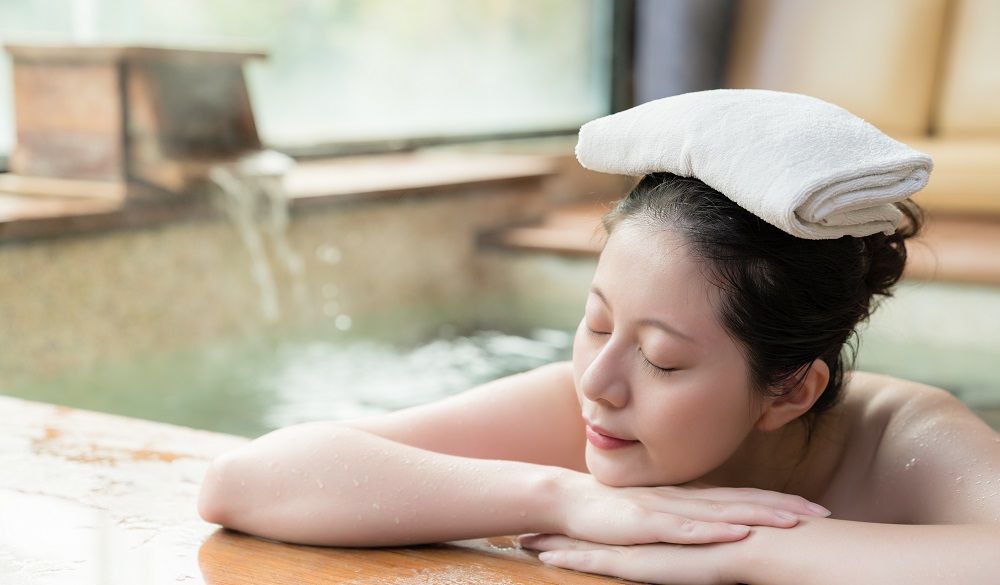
x: 218, y: 500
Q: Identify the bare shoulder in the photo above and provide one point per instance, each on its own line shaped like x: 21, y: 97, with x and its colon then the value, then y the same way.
x: 932, y: 460
x: 532, y: 417
x: 879, y: 399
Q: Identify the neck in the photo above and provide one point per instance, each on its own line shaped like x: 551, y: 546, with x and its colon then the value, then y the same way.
x: 787, y: 460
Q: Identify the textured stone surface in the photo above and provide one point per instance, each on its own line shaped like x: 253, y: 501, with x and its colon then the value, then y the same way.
x: 75, y: 300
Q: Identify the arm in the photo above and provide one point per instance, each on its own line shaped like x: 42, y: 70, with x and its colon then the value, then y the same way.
x: 823, y: 551
x: 929, y: 506
x: 349, y: 483
x: 326, y: 484
x: 501, y: 459
x: 818, y: 551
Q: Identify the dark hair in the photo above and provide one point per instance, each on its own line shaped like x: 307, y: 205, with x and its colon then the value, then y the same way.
x: 787, y: 301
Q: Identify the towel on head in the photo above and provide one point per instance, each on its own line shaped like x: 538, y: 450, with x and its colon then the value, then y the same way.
x: 804, y: 165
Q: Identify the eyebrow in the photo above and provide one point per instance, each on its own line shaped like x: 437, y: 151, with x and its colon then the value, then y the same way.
x: 648, y: 321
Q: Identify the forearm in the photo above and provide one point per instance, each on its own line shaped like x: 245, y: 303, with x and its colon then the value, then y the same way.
x: 822, y: 551
x: 326, y: 484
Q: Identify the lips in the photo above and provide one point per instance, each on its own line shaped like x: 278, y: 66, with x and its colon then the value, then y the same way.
x: 600, y: 438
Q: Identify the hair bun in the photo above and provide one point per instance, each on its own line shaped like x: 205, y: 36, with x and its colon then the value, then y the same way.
x: 886, y: 254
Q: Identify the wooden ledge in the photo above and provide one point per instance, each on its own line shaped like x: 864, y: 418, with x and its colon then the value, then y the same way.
x: 309, y: 184
x: 951, y: 249
x: 89, y: 497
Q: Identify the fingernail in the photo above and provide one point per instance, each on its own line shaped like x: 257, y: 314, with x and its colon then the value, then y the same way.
x: 786, y: 515
x: 545, y: 556
x: 817, y: 509
x: 739, y: 529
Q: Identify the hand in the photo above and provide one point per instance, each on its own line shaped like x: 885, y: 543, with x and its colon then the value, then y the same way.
x: 594, y: 512
x: 666, y: 564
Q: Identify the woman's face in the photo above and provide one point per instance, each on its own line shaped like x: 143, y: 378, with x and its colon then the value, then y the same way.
x: 662, y: 386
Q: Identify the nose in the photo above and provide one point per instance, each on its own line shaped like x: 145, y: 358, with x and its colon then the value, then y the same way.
x: 604, y: 380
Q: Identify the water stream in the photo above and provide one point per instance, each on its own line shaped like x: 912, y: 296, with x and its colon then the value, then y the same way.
x: 252, y: 195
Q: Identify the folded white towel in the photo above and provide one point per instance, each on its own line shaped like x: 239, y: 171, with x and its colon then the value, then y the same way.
x: 804, y: 165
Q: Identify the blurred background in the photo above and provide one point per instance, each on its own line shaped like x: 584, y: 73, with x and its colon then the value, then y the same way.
x: 236, y: 215
x: 361, y: 71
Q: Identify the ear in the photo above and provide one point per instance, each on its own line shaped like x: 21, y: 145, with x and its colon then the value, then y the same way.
x: 786, y: 408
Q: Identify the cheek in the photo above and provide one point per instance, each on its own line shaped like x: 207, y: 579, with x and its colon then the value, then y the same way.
x: 694, y: 435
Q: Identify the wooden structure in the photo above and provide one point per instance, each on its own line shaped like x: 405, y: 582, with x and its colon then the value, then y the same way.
x: 95, y: 498
x: 125, y: 122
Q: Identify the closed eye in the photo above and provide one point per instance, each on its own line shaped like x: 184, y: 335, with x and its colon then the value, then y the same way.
x: 596, y: 333
x: 655, y: 369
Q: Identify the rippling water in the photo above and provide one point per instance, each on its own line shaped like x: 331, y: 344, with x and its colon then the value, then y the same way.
x: 249, y: 388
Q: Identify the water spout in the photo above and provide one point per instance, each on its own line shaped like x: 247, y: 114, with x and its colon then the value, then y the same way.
x: 251, y: 193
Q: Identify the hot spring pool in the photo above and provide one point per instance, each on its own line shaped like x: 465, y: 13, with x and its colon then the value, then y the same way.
x: 944, y: 335
x: 250, y: 387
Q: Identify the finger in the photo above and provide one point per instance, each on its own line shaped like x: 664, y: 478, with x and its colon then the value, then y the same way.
x: 545, y: 542
x: 589, y: 561
x: 600, y: 561
x: 778, y: 500
x: 679, y: 530
x: 707, y: 510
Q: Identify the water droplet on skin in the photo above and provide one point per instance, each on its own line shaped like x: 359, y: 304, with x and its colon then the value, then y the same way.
x: 356, y: 483
x: 911, y: 463
x: 523, y: 513
x: 396, y: 520
x: 319, y: 484
x: 376, y: 506
x: 243, y: 483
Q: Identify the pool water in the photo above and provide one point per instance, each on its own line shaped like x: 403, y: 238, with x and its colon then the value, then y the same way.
x: 252, y: 386
x: 943, y: 335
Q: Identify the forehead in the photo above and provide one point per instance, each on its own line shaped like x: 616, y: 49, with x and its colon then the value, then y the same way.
x: 650, y: 250
x: 651, y: 268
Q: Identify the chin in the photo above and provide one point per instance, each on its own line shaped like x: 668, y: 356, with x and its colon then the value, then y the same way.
x: 619, y: 474
x: 616, y: 474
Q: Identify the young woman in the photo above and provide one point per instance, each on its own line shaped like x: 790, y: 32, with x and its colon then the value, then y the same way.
x: 708, y: 429
x: 703, y: 433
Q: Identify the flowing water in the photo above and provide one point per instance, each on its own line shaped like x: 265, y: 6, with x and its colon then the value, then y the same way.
x: 252, y: 195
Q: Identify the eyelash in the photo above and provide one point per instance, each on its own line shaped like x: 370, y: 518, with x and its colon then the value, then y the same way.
x: 596, y: 333
x: 650, y: 366
x: 653, y: 368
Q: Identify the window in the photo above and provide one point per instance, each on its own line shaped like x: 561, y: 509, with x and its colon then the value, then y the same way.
x: 363, y: 70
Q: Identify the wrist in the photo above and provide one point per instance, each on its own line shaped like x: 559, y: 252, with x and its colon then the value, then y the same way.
x: 744, y: 559
x: 550, y: 499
